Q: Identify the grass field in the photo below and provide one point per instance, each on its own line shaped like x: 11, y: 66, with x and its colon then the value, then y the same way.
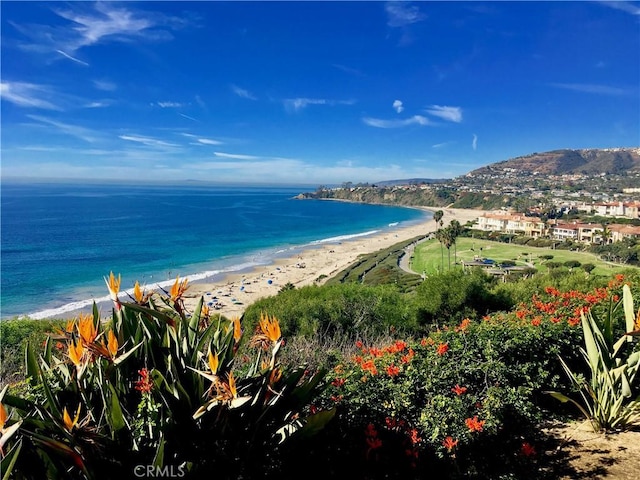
x: 429, y: 259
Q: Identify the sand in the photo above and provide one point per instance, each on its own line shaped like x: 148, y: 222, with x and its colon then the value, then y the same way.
x: 233, y: 293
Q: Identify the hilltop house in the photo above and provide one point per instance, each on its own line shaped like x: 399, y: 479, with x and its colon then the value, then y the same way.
x: 617, y: 209
x: 589, y: 233
x: 504, y: 222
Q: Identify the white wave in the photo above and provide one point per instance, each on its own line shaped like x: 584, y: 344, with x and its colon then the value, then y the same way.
x: 340, y: 238
x: 82, y: 304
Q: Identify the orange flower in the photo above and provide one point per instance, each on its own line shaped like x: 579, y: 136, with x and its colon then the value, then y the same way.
x: 137, y: 292
x: 68, y: 423
x: 536, y: 322
x: 449, y: 443
x: 275, y: 376
x: 76, y: 352
x: 113, y: 285
x: 3, y: 417
x: 392, y: 370
x: 474, y: 425
x: 237, y: 331
x: 442, y: 348
x: 464, y: 325
x: 112, y: 344
x: 458, y: 390
x: 213, y: 362
x: 178, y: 288
x: 232, y: 385
x: 270, y: 327
x: 87, y: 329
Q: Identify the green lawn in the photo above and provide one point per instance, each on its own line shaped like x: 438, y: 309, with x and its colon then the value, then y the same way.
x: 428, y: 257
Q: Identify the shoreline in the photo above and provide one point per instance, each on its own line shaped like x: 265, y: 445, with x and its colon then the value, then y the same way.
x: 309, y: 266
x: 229, y: 292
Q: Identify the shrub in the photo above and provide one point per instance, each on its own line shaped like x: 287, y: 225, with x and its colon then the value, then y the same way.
x: 610, y: 397
x: 463, y: 399
x: 451, y: 296
x: 157, y: 386
x: 15, y: 333
x: 339, y: 311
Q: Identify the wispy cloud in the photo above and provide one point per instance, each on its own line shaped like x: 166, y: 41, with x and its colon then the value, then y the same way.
x: 400, y: 14
x: 105, y: 85
x: 380, y: 123
x: 592, y: 88
x: 188, y: 117
x: 352, y: 71
x: 235, y: 156
x: 147, y: 141
x: 29, y: 95
x: 397, y: 106
x: 98, y: 104
x: 208, y: 141
x: 170, y: 104
x: 474, y: 142
x: 77, y: 60
x: 441, y: 145
x: 68, y: 129
x: 297, y: 104
x: 242, y: 93
x: 625, y: 6
x: 452, y: 114
x: 93, y: 23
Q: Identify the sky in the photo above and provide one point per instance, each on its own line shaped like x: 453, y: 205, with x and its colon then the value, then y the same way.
x: 302, y: 92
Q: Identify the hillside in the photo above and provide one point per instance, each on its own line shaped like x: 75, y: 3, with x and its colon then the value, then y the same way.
x: 586, y: 162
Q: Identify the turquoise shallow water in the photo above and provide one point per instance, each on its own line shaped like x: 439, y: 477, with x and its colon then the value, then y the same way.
x: 60, y: 240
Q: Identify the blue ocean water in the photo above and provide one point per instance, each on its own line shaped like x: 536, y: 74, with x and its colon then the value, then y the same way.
x: 59, y: 241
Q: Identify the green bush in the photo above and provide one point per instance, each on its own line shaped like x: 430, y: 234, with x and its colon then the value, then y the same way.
x: 451, y: 296
x: 14, y: 335
x: 465, y: 400
x: 339, y: 311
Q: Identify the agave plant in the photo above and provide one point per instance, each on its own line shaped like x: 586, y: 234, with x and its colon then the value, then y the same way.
x: 610, y: 398
x: 155, y: 385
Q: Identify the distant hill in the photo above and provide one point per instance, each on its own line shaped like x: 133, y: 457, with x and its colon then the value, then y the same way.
x: 558, y: 162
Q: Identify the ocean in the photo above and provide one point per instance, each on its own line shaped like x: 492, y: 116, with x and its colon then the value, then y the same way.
x: 59, y: 240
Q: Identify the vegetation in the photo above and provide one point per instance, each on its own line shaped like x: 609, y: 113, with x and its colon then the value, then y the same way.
x: 155, y: 387
x: 355, y: 380
x: 607, y: 397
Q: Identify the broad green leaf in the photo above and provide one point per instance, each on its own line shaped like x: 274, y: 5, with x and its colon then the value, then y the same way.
x: 593, y: 353
x: 316, y: 422
x: 9, y: 460
x: 115, y: 411
x: 126, y: 355
x: 32, y: 367
x: 629, y: 316
x: 158, y: 458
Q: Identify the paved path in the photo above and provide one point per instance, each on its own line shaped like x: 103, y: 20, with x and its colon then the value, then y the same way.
x: 405, y: 259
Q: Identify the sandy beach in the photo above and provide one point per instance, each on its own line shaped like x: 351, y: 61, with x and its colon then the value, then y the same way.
x: 232, y: 294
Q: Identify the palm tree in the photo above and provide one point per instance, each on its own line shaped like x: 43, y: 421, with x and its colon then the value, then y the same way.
x: 449, y: 240
x: 437, y: 216
x: 440, y: 236
x: 605, y: 234
x: 456, y: 230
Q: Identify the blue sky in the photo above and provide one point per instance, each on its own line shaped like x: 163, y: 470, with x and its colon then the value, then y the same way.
x: 310, y: 92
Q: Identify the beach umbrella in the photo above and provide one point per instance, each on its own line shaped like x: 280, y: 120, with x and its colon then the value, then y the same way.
x: 269, y: 281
